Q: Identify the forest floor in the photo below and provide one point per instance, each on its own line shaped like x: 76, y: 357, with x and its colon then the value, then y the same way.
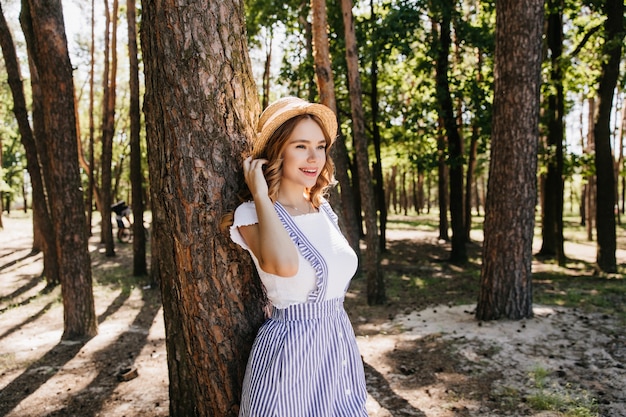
x: 424, y: 352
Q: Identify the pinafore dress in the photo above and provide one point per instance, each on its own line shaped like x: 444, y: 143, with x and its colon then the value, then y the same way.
x: 305, y: 361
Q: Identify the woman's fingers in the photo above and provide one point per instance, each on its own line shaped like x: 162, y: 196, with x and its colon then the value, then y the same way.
x: 254, y: 164
x: 253, y: 173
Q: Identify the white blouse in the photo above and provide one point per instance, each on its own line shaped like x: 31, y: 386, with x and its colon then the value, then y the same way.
x: 325, y: 237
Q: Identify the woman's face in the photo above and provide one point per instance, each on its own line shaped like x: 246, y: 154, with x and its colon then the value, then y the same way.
x: 304, y: 155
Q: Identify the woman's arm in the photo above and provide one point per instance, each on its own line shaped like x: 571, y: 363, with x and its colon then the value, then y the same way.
x: 268, y: 239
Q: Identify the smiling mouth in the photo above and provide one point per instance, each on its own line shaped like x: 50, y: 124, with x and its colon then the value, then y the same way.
x: 309, y: 171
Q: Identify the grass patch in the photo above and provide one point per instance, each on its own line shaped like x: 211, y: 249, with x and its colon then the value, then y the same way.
x: 427, y: 223
x: 591, y: 294
x: 563, y: 400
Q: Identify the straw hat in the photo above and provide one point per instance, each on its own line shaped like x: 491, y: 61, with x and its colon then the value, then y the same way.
x: 286, y: 108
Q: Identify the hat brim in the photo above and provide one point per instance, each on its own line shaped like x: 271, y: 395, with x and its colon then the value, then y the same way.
x: 285, y: 109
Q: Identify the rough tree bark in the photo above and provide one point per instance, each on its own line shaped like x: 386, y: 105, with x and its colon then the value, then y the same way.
x: 506, y: 278
x: 200, y: 107
x: 51, y: 60
x: 41, y: 215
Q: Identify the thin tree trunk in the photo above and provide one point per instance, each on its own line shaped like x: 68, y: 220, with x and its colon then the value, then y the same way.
x: 605, y: 186
x: 267, y: 70
x: 140, y: 267
x: 376, y: 139
x: 458, y: 254
x: 591, y: 179
x: 309, y: 83
x: 552, y: 202
x: 619, y: 164
x: 472, y: 157
x: 108, y: 122
x: 442, y: 185
x: 375, y: 283
x: 92, y: 159
x: 326, y: 88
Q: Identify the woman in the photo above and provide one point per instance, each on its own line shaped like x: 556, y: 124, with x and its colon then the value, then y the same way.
x: 304, y: 361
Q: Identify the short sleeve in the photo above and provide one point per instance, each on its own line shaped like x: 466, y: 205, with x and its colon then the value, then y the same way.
x: 245, y: 215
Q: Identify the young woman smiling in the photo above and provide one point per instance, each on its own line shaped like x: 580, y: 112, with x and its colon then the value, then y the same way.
x: 304, y: 361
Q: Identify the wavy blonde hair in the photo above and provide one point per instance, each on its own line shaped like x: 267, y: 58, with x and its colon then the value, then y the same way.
x: 273, y: 170
x: 274, y: 150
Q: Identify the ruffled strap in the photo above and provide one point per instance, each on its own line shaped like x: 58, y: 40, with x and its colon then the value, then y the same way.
x: 331, y: 213
x: 308, y: 251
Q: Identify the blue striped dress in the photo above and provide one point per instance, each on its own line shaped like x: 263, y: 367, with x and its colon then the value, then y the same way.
x: 305, y: 361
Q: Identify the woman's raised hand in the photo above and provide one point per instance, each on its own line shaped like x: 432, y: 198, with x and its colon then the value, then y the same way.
x: 253, y: 175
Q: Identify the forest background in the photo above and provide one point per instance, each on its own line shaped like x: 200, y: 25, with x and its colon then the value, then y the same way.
x: 427, y: 72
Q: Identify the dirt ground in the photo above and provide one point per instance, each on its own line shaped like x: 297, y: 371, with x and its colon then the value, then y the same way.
x: 424, y: 355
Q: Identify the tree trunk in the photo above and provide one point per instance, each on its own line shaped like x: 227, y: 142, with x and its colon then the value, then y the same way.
x: 590, y: 206
x: 53, y: 66
x: 267, y: 70
x: 108, y: 125
x: 506, y: 278
x: 442, y: 185
x: 376, y: 139
x: 619, y: 164
x: 605, y: 185
x: 200, y: 106
x: 42, y: 224
x: 404, y: 199
x: 472, y: 157
x: 420, y: 192
x: 308, y: 83
x: 90, y: 173
x: 326, y: 88
x: 458, y: 254
x: 42, y: 209
x: 375, y: 283
x: 391, y: 200
x: 552, y: 202
x: 140, y: 267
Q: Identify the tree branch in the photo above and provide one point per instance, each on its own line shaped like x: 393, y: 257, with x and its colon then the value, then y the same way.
x: 586, y: 38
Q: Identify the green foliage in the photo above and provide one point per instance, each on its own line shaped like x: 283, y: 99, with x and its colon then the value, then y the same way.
x: 13, y: 155
x: 397, y: 41
x: 267, y: 14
